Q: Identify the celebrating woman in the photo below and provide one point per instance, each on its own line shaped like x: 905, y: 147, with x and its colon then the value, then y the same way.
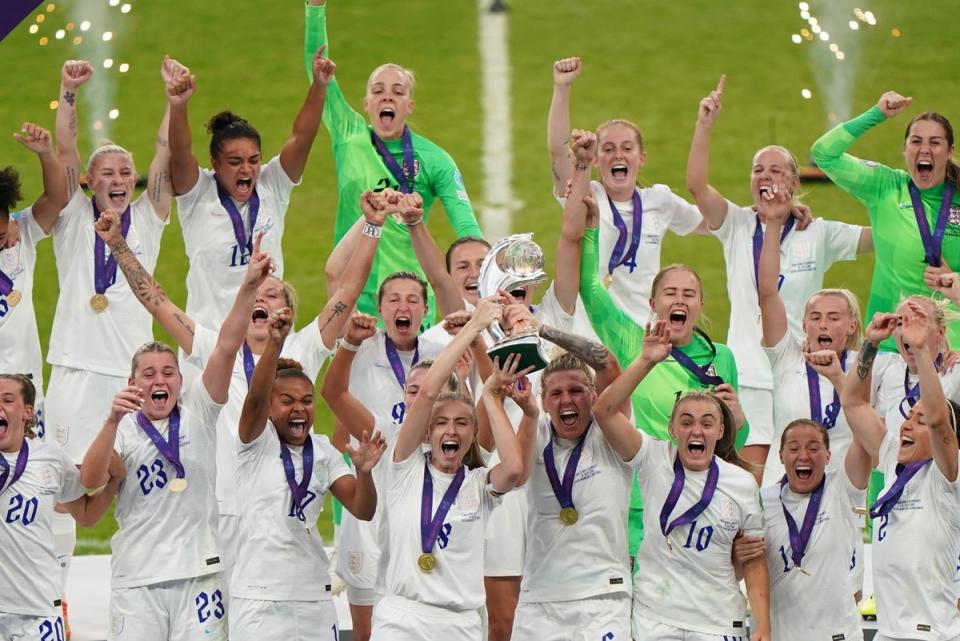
x: 698, y: 500
x: 910, y: 210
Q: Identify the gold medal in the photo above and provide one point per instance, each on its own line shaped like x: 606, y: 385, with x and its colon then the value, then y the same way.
x: 607, y: 280
x: 427, y: 562
x: 569, y: 516
x: 14, y: 298
x: 99, y: 302
x: 178, y: 485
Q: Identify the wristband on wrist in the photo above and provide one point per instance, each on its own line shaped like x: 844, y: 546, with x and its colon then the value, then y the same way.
x: 350, y: 347
x: 414, y: 223
x: 373, y: 231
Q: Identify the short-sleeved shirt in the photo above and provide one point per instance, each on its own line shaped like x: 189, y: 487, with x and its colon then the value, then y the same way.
x: 281, y: 555
x: 805, y: 256
x: 819, y: 604
x: 673, y: 580
x: 82, y: 338
x: 217, y: 263
x: 167, y: 536
x: 589, y: 558
x: 19, y: 339
x: 663, y: 211
x: 29, y: 569
x: 915, y: 550
x: 891, y: 380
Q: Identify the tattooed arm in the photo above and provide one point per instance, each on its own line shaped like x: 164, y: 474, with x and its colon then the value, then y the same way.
x: 147, y: 290
x: 867, y: 426
x: 594, y: 354
x: 73, y: 74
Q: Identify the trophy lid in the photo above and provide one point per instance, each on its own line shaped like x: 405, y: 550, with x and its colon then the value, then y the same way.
x: 513, y: 262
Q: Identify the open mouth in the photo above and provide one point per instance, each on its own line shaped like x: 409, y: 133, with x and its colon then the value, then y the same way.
x: 696, y: 447
x: 450, y: 447
x: 678, y: 318
x: 387, y: 114
x: 3, y: 426
x: 906, y: 441
x: 619, y: 170
x: 159, y: 396
x: 569, y: 418
x: 117, y: 197
x: 244, y: 186
x: 924, y: 169
x: 519, y: 294
x: 403, y: 323
x: 824, y: 341
x: 471, y: 287
x: 298, y: 427
x: 259, y: 315
x: 766, y: 192
x: 804, y: 472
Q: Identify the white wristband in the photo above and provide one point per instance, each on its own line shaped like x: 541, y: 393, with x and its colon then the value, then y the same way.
x: 350, y: 347
x: 373, y: 231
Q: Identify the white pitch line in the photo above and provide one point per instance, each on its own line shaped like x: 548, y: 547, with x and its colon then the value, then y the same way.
x: 497, y: 156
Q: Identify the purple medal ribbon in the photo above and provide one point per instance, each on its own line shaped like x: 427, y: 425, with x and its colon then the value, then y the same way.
x: 396, y: 364
x: 298, y: 491
x: 18, y: 469
x: 239, y: 231
x: 800, y: 538
x: 679, y: 477
x: 403, y: 175
x: 912, y: 394
x: 758, y: 244
x: 817, y: 410
x: 706, y: 379
x: 430, y: 524
x: 888, y: 501
x: 932, y: 244
x: 618, y: 257
x: 248, y: 363
x: 563, y: 491
x: 104, y: 267
x: 6, y: 283
x: 170, y: 449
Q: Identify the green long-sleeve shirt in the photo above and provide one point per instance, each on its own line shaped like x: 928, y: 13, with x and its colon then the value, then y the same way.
x: 884, y: 191
x: 360, y: 168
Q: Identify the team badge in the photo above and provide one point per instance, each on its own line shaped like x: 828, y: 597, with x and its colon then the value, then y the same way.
x: 711, y: 370
x: 870, y: 163
x: 954, y: 216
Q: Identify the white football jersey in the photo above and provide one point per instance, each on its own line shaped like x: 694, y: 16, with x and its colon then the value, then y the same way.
x: 217, y: 263
x: 672, y: 580
x: 19, y: 339
x: 791, y: 400
x: 166, y: 536
x: 29, y: 570
x: 588, y: 558
x: 125, y: 324
x: 805, y: 256
x: 915, y: 548
x: 305, y: 346
x: 663, y: 210
x: 817, y: 605
x: 281, y: 556
x: 891, y: 382
x: 457, y: 581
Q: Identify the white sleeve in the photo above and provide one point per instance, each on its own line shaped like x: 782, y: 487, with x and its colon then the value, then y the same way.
x: 204, y: 342
x: 752, y: 523
x: 400, y: 473
x: 651, y: 452
x: 198, y: 400
x: 204, y: 189
x: 306, y: 346
x: 71, y: 212
x: 30, y: 232
x: 70, y: 486
x: 257, y: 446
x: 274, y: 179
x: 550, y: 312
x: 333, y: 460
x: 841, y: 241
x: 887, y: 454
x: 148, y: 223
x: 684, y: 216
x: 732, y: 221
x: 783, y: 357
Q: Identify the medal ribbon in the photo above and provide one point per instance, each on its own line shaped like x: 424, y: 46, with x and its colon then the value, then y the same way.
x: 932, y: 244
x: 170, y: 449
x: 104, y: 267
x: 6, y: 283
x: 298, y: 491
x: 817, y: 410
x: 912, y: 394
x: 248, y: 363
x: 618, y: 257
x: 699, y: 371
x: 563, y: 490
x: 679, y: 477
x: 18, y: 469
x: 800, y: 538
x: 430, y: 524
x: 239, y: 231
x: 758, y: 244
x: 403, y: 175
x: 396, y: 364
x: 888, y: 501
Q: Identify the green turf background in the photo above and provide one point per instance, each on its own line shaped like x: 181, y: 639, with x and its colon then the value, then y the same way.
x: 647, y: 61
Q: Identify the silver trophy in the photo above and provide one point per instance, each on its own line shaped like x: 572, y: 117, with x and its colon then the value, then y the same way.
x: 513, y: 262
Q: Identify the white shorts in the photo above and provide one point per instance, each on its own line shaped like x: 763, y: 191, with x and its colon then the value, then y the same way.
x: 77, y: 403
x: 359, y: 555
x: 603, y: 617
x: 505, y: 536
x: 185, y: 610
x: 252, y: 620
x: 757, y: 405
x: 229, y: 530
x: 645, y: 629
x: 26, y: 627
x: 398, y: 619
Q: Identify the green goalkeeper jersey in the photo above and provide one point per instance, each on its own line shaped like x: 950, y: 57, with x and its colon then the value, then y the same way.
x: 884, y: 191
x: 359, y: 168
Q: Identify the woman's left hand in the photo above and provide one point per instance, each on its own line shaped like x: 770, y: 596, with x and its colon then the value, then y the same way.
x: 367, y: 454
x: 728, y: 395
x: 522, y: 394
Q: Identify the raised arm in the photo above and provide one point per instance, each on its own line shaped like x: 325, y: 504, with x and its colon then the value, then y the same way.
x: 184, y: 169
x: 233, y: 331
x: 507, y: 474
x: 90, y: 508
x: 256, y: 406
x: 772, y: 310
x: 566, y: 281
x: 293, y: 156
x: 866, y: 424
x: 565, y: 71
x: 936, y: 413
x: 618, y: 431
x: 95, y: 470
x: 358, y: 494
x: 347, y: 408
x: 147, y: 290
x: 73, y: 74
x: 418, y: 414
x: 711, y: 203
x: 159, y: 187
x: 55, y: 196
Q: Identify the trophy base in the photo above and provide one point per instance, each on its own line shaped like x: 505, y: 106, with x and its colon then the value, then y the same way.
x: 527, y: 346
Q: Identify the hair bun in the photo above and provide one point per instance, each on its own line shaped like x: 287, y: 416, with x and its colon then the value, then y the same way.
x: 224, y: 120
x: 289, y: 363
